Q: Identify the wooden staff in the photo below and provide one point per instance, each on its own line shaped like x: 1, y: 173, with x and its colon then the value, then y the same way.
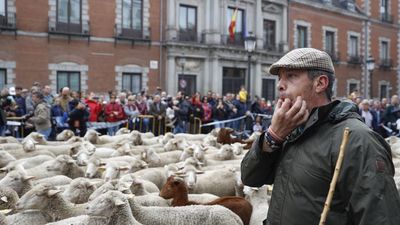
x: 335, y: 176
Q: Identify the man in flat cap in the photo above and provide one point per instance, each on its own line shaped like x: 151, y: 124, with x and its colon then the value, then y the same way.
x: 298, y: 152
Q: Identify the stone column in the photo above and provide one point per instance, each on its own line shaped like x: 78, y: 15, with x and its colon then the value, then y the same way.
x: 215, y: 76
x: 171, y: 76
x: 259, y: 25
x: 256, y: 80
x: 171, y: 21
x: 206, y: 78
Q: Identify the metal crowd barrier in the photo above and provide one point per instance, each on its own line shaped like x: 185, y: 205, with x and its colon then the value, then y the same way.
x: 18, y: 122
x: 195, y: 127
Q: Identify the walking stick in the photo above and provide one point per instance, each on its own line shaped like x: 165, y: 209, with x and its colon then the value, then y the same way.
x: 335, y: 176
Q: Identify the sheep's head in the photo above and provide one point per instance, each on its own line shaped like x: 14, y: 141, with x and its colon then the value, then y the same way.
x: 79, y: 190
x: 65, y: 135
x: 225, y: 152
x: 92, y: 136
x: 8, y: 198
x: 39, y: 197
x: 106, y: 204
x: 29, y: 145
x: 16, y: 180
x: 136, y: 137
x: 108, y: 186
x: 123, y: 130
x: 173, y: 187
x: 39, y: 138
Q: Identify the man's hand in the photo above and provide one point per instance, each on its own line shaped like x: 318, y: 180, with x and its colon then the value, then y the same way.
x: 288, y: 115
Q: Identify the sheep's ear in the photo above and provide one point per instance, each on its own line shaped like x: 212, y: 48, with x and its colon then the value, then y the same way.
x: 102, y: 168
x: 102, y: 163
x: 51, y: 193
x: 143, y: 155
x: 118, y: 202
x: 199, y: 171
x: 3, y: 170
x: 4, y: 199
x: 124, y: 168
x: 131, y: 196
x: 74, y: 156
x: 71, y: 161
x: 26, y: 178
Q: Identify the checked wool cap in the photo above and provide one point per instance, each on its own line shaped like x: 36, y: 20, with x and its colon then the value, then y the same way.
x: 304, y: 58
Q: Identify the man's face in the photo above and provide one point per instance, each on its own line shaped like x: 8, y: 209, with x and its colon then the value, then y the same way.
x: 293, y: 83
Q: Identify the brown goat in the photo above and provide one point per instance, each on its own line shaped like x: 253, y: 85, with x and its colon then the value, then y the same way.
x: 224, y: 137
x: 176, y: 189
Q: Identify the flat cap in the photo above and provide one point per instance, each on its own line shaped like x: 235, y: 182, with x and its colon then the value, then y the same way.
x: 304, y: 58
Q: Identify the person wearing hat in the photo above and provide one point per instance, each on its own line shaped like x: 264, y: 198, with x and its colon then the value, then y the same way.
x: 299, y: 150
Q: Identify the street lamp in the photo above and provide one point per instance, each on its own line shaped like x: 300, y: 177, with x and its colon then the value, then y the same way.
x: 370, y: 67
x: 249, y: 45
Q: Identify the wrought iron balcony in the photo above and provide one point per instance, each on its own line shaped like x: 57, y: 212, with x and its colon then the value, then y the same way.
x: 132, y: 35
x: 386, y: 17
x: 335, y: 56
x: 385, y: 63
x: 237, y: 40
x: 8, y: 22
x: 355, y: 59
x: 187, y: 35
x: 69, y: 30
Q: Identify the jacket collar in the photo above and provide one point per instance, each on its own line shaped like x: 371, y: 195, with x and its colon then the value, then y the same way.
x: 333, y: 112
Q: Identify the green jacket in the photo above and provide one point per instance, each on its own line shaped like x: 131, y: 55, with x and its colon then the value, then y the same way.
x: 302, y: 171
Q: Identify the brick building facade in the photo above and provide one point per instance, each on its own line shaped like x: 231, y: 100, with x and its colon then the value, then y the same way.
x: 88, y: 45
x: 353, y: 33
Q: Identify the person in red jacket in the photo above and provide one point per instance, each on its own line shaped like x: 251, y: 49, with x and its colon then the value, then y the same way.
x: 94, y: 107
x: 114, y: 113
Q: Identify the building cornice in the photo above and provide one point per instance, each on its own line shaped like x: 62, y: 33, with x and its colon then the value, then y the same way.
x: 330, y: 8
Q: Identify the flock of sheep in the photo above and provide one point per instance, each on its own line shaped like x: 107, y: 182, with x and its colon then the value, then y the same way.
x: 100, y: 179
x: 129, y: 178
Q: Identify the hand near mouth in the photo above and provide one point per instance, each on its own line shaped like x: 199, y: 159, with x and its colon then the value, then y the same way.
x: 288, y: 115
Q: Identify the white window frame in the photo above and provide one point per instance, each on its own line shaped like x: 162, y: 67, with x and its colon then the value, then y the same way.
x: 68, y: 66
x: 349, y: 35
x: 381, y: 83
x: 304, y: 24
x: 352, y: 81
x: 381, y: 40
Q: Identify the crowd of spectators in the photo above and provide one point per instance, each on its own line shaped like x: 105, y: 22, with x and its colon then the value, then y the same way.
x: 49, y: 114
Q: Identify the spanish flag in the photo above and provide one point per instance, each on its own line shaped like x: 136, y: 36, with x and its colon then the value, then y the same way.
x: 232, y: 25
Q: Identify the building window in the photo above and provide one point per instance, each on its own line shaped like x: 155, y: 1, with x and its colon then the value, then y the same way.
x: 69, y: 15
x: 132, y: 82
x: 187, y: 84
x: 3, y: 7
x: 71, y: 79
x: 353, y: 87
x: 232, y: 78
x: 187, y: 23
x: 3, y: 78
x: 330, y: 42
x: 239, y: 26
x: 269, y: 35
x: 132, y: 14
x: 353, y: 46
x: 268, y: 89
x: 384, y: 91
x: 301, y: 36
x: 384, y: 55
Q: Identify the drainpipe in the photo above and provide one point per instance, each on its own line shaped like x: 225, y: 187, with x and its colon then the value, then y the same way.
x: 160, y: 69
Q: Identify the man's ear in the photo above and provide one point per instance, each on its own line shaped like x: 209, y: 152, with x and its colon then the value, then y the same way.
x: 321, y: 83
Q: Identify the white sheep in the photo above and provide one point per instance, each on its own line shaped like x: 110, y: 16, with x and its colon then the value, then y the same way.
x: 194, y: 215
x: 94, y: 164
x: 160, y: 159
x: 79, y: 190
x: 27, y: 163
x: 176, y: 144
x: 259, y: 199
x: 82, y: 220
x: 62, y: 165
x: 218, y: 182
x: 6, y: 158
x: 157, y: 175
x: 114, y: 205
x: 54, y: 180
x: 130, y: 184
x: 65, y: 135
x: 18, y: 181
x: 28, y: 218
x: 107, y: 186
x: 8, y: 198
x: 48, y: 199
x: 8, y: 139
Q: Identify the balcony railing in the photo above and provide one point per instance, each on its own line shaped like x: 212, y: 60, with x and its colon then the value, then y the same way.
x: 132, y: 35
x: 8, y: 22
x: 187, y: 36
x: 335, y: 56
x: 355, y: 59
x: 69, y: 30
x: 386, y: 17
x: 276, y: 48
x: 385, y: 63
x: 237, y: 40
